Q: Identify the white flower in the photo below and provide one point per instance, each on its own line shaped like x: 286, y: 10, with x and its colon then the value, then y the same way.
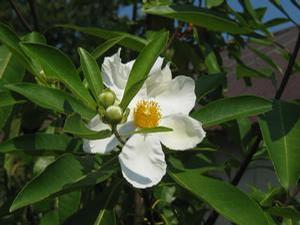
x: 162, y: 101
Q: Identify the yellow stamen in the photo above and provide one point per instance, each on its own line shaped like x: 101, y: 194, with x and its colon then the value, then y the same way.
x: 147, y: 114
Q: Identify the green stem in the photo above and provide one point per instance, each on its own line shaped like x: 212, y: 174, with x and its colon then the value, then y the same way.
x: 118, y: 136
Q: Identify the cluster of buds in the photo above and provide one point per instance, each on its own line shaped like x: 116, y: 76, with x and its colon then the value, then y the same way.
x: 110, y: 111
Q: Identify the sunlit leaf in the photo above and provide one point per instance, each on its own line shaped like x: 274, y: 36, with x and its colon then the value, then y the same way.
x: 142, y: 67
x: 281, y: 129
x: 226, y: 199
x: 59, y: 65
x: 200, y: 17
x: 53, y: 99
x: 231, y: 108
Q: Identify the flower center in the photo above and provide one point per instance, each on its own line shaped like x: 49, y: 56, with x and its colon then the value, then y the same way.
x: 146, y: 114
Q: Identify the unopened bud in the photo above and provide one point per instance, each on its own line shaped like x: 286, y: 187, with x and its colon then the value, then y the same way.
x: 114, y: 114
x: 107, y: 98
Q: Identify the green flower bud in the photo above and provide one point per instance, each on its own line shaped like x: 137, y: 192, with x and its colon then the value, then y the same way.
x: 107, y: 98
x: 114, y: 114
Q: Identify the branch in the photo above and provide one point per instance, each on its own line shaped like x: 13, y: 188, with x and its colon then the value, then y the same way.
x: 289, y: 69
x: 34, y: 15
x: 139, y: 208
x: 239, y: 174
x: 21, y: 18
x: 214, y: 215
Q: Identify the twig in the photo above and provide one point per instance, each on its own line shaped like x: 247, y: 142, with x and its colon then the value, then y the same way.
x: 289, y: 69
x: 139, y: 208
x: 214, y: 215
x: 34, y: 15
x: 118, y: 136
x: 21, y: 18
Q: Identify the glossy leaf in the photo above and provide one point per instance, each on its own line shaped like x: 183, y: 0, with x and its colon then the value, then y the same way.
x: 200, y: 17
x: 10, y: 68
x: 281, y: 129
x: 101, y: 49
x: 130, y: 41
x: 226, y: 199
x: 67, y: 173
x: 11, y: 41
x: 53, y: 99
x: 91, y: 72
x: 57, y: 64
x: 142, y: 67
x: 231, y: 108
x: 39, y: 142
x: 35, y: 37
x: 76, y: 126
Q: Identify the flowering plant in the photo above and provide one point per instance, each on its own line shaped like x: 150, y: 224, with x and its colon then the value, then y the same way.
x: 142, y: 159
x: 152, y: 122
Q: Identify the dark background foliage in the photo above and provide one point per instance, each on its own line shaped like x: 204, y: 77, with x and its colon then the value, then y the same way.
x: 236, y: 149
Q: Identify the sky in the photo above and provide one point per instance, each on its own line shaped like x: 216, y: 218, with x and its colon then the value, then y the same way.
x: 272, y: 12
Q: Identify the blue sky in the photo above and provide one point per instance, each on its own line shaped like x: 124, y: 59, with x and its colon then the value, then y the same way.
x: 272, y: 12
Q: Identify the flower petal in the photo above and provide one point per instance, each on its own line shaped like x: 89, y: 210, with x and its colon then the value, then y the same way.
x: 105, y: 145
x: 187, y: 132
x: 142, y: 161
x: 115, y: 73
x: 158, y: 81
x: 178, y: 96
x: 157, y: 65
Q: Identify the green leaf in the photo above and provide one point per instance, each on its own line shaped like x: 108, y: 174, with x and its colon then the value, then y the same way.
x: 67, y: 173
x: 91, y: 72
x: 281, y: 129
x: 276, y: 22
x: 231, y: 108
x: 285, y: 212
x: 129, y: 41
x: 101, y: 49
x: 51, y: 98
x: 68, y: 204
x: 7, y: 100
x: 10, y: 69
x: 213, y: 3
x: 35, y: 37
x: 57, y: 64
x: 200, y: 17
x: 206, y: 83
x: 50, y: 218
x: 266, y: 58
x: 99, y: 211
x: 142, y: 67
x: 210, y: 58
x: 244, y: 71
x: 226, y: 199
x: 75, y: 125
x: 39, y: 142
x: 11, y: 41
x: 4, y: 114
x: 153, y: 130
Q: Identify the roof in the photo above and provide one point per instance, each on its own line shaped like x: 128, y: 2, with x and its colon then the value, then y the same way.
x: 265, y: 87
